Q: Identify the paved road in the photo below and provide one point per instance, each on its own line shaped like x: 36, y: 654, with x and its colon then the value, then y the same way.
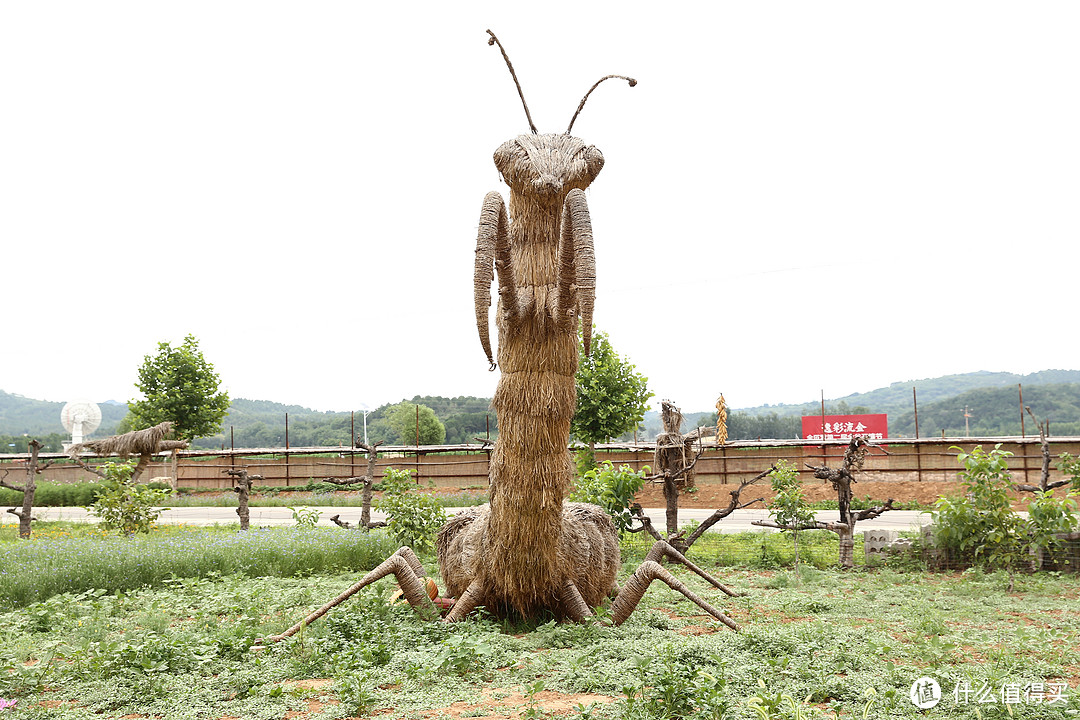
x: 739, y: 521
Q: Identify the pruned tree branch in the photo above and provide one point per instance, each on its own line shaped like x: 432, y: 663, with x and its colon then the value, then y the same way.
x: 9, y: 486
x: 87, y: 467
x: 646, y: 522
x: 733, y: 505
x: 348, y: 525
x: 678, y: 473
x: 815, y: 525
x: 871, y: 513
x: 368, y: 480
x: 1044, y: 477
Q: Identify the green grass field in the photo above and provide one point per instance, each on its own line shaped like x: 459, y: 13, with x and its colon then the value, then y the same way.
x: 168, y: 635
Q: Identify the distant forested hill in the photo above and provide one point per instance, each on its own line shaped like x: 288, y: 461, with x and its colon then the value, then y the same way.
x: 995, y: 411
x: 261, y: 423
x: 991, y: 399
x: 896, y: 398
x: 254, y: 423
x: 23, y: 416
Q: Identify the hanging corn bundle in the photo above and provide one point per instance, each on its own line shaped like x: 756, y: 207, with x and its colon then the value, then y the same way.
x: 721, y: 421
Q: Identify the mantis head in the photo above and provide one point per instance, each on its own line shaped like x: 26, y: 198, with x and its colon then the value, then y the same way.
x: 547, y: 165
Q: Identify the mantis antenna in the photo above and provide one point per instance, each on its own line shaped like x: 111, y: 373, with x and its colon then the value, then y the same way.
x: 493, y: 41
x: 630, y: 80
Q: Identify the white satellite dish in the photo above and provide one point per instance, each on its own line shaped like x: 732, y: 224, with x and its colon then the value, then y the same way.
x: 80, y: 418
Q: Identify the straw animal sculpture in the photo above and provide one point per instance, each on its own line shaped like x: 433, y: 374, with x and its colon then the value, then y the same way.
x: 527, y: 551
x: 144, y: 443
x: 674, y: 451
x: 150, y: 441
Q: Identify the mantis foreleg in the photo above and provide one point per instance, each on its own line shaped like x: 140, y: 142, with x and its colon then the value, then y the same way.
x: 577, y: 267
x: 492, y: 249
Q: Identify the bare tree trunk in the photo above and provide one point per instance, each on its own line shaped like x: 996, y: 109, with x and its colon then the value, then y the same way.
x: 244, y: 511
x: 242, y: 483
x: 369, y: 482
x: 673, y: 465
x: 28, y: 490
x: 795, y: 540
x: 140, y: 467
x: 1044, y: 477
x: 671, y: 498
x: 366, y: 494
x: 174, y: 479
x: 846, y: 533
x: 847, y: 545
x: 841, y: 480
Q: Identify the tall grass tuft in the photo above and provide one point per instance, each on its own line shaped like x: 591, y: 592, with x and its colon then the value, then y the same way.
x: 36, y: 569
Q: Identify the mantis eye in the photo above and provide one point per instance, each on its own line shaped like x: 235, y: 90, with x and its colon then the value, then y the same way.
x: 594, y: 160
x: 504, y: 156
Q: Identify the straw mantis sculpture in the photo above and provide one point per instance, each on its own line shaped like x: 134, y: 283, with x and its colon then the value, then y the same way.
x: 527, y: 551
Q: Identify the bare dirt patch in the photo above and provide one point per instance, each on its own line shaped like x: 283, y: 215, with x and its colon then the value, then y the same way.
x: 503, y: 705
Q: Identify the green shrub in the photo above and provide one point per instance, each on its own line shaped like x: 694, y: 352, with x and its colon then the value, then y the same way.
x: 126, y: 506
x: 1070, y: 466
x: 981, y: 526
x: 1048, y: 518
x: 611, y: 489
x: 412, y: 517
x: 54, y: 494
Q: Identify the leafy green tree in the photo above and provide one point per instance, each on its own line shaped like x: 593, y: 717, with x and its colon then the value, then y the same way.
x: 788, y: 507
x: 982, y: 527
x: 401, y: 420
x: 612, y: 396
x: 178, y: 384
x: 465, y: 427
x: 770, y: 425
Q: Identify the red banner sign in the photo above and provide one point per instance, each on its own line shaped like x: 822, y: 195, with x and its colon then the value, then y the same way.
x: 845, y: 427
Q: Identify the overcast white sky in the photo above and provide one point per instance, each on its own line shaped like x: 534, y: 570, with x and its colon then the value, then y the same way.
x: 798, y: 196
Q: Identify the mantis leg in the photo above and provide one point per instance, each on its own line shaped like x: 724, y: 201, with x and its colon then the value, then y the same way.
x: 662, y: 549
x: 573, y: 604
x: 405, y: 566
x: 467, y: 602
x: 492, y: 249
x: 639, y: 582
x: 577, y: 267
